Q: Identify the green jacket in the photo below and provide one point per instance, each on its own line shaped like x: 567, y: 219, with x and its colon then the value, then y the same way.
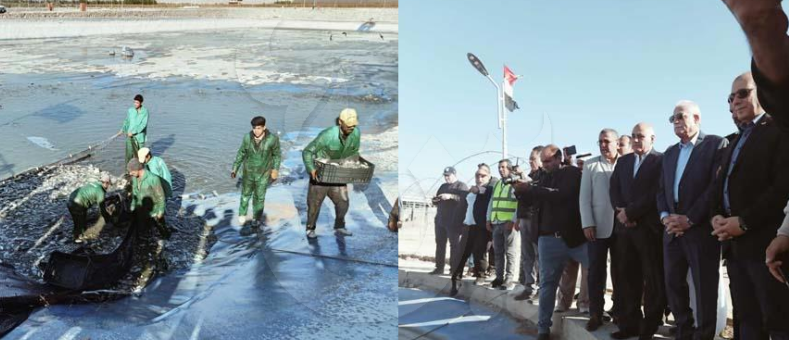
x: 329, y: 145
x: 87, y: 195
x: 258, y: 158
x: 157, y: 166
x: 136, y: 124
x: 149, y: 186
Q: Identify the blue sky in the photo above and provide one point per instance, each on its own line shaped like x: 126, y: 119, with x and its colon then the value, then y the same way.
x: 586, y: 65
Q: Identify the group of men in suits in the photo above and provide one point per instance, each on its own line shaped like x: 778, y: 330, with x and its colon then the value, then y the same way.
x: 665, y: 217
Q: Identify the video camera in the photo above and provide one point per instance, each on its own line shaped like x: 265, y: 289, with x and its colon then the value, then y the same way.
x: 515, y: 175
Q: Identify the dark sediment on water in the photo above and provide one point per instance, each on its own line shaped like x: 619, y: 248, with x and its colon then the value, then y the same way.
x: 34, y: 222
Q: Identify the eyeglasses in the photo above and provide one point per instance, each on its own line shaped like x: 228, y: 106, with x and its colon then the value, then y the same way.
x: 741, y: 93
x: 676, y: 117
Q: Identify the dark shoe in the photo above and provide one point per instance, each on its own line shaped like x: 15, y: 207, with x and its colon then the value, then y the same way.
x: 623, y: 335
x: 525, y: 295
x: 496, y: 283
x: 455, y: 287
x: 594, y: 323
x: 437, y: 272
x: 646, y: 337
x: 544, y: 336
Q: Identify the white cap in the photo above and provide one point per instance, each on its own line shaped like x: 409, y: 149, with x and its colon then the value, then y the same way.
x: 348, y: 116
x: 142, y: 153
x: 105, y: 177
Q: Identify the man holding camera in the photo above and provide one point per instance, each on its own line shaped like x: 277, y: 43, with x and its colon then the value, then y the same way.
x: 560, y: 235
x: 501, y: 220
x: 450, y: 201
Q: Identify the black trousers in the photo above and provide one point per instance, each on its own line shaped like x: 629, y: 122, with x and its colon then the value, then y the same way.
x: 698, y: 252
x: 639, y: 273
x: 473, y: 242
x: 596, y: 279
x: 761, y: 301
x: 80, y: 216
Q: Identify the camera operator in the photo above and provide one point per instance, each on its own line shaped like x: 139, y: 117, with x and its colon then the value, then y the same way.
x: 561, y: 236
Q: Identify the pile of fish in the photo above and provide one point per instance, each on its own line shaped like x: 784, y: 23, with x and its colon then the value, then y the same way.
x: 34, y: 222
x: 346, y: 163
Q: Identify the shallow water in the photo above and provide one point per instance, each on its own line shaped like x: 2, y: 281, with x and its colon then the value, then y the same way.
x: 273, y: 284
x: 426, y: 315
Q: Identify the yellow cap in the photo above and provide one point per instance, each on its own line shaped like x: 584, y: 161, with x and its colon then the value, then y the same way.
x: 142, y: 153
x: 348, y: 117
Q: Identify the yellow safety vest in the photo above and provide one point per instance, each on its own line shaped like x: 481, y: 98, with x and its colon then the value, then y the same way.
x: 504, y: 203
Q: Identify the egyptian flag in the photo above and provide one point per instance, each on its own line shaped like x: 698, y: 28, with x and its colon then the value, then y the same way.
x: 509, y: 80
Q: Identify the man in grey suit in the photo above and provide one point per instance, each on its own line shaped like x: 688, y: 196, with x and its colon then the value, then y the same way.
x: 683, y: 201
x: 597, y: 219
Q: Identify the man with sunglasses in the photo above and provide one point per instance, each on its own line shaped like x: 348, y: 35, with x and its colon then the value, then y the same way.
x: 683, y: 201
x: 749, y: 194
x: 474, y: 239
x: 634, y: 188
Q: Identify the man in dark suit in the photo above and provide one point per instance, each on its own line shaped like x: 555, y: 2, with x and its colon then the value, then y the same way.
x: 634, y: 186
x: 683, y: 201
x: 750, y: 192
x: 559, y: 225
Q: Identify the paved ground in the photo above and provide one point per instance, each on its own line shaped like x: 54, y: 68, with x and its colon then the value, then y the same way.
x: 417, y: 241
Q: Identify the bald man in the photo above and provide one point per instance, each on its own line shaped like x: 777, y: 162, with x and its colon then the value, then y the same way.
x: 559, y: 227
x: 749, y: 195
x: 683, y: 201
x: 625, y: 145
x: 634, y: 187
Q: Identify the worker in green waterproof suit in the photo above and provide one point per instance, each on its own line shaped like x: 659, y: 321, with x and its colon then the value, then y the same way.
x: 260, y: 155
x: 82, y: 199
x: 337, y: 142
x: 148, y: 194
x: 158, y: 167
x: 135, y: 127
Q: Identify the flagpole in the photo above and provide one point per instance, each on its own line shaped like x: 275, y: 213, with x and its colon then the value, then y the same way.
x: 499, y: 100
x: 501, y: 116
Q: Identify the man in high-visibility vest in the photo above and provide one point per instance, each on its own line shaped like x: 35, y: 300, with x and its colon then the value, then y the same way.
x: 501, y: 217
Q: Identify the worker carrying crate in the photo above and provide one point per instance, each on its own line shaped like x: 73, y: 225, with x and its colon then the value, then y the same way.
x: 332, y: 160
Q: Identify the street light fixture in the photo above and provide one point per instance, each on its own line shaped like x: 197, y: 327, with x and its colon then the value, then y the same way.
x: 499, y: 101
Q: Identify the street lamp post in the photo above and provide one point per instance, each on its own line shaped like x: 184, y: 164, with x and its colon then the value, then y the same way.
x: 499, y: 101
